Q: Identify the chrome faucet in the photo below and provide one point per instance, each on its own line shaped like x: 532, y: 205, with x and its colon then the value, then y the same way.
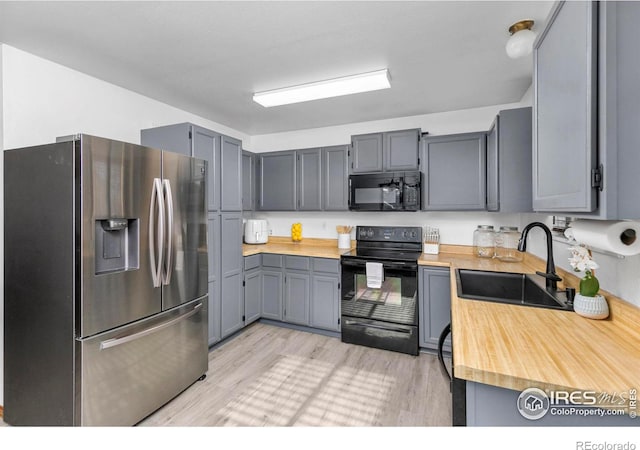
x: 551, y: 276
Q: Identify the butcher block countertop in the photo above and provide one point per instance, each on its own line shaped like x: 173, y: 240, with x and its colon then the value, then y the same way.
x: 517, y: 347
x: 314, y: 247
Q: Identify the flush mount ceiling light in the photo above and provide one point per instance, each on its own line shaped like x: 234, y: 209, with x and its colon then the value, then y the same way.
x: 521, y: 41
x: 364, y: 82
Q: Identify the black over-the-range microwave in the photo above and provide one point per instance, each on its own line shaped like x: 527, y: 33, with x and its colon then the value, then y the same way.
x: 385, y: 191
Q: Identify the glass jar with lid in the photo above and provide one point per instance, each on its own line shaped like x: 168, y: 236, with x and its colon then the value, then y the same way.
x: 484, y: 241
x: 507, y: 244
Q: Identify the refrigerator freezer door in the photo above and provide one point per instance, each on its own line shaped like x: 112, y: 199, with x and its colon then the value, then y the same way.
x: 117, y: 181
x: 129, y: 372
x: 186, y: 265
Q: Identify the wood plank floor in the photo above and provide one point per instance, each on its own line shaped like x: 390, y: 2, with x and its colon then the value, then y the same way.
x: 273, y: 376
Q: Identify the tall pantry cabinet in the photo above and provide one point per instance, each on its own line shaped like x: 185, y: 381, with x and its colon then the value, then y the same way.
x: 224, y: 199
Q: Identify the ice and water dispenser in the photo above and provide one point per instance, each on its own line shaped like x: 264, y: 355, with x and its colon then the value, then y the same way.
x: 117, y: 245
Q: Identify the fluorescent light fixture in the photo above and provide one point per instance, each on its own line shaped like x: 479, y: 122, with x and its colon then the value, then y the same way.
x: 364, y: 82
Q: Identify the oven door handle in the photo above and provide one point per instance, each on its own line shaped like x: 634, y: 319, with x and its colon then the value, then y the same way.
x: 385, y: 264
x: 378, y: 327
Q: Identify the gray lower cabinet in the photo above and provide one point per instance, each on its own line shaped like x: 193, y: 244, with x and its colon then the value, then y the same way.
x: 434, y: 306
x: 272, y: 286
x: 509, y: 162
x: 309, y: 182
x: 215, y: 333
x: 248, y: 181
x: 252, y: 288
x: 454, y: 172
x: 325, y: 302
x: 377, y: 152
x: 296, y: 297
x: 335, y: 178
x: 231, y: 263
x: 277, y: 181
x: 494, y: 406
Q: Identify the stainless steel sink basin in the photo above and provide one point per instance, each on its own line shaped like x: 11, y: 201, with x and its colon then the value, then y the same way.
x: 506, y: 287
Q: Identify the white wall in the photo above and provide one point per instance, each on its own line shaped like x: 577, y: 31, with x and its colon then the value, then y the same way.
x: 41, y: 100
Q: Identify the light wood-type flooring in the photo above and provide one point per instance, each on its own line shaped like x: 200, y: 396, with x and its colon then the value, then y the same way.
x: 273, y: 376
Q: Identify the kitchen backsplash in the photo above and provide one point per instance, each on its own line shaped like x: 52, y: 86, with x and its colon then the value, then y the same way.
x: 617, y: 275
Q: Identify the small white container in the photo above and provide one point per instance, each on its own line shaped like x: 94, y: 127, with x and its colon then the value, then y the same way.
x: 591, y: 307
x: 344, y: 240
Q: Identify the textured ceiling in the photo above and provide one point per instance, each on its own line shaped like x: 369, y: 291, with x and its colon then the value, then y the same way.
x: 209, y: 57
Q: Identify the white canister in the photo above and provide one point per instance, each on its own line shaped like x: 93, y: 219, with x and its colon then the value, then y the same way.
x: 344, y: 240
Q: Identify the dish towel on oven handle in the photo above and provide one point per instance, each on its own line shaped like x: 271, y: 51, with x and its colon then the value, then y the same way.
x: 375, y: 275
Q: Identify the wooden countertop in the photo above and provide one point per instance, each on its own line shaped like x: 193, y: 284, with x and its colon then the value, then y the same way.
x: 517, y: 347
x: 317, y: 248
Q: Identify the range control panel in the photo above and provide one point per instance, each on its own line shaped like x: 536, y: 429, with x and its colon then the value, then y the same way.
x: 389, y: 234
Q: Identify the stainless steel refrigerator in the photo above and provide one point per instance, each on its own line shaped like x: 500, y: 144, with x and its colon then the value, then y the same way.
x: 105, y: 253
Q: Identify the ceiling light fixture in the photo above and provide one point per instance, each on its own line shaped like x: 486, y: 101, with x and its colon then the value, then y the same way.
x: 364, y: 82
x: 521, y: 41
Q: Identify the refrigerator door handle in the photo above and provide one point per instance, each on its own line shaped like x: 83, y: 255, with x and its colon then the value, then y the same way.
x: 156, y: 262
x: 109, y: 343
x: 166, y: 187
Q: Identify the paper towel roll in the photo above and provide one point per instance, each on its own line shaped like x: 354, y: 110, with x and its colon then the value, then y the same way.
x: 619, y: 237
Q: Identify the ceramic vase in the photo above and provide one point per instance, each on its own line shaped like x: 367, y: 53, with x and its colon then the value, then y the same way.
x: 595, y: 307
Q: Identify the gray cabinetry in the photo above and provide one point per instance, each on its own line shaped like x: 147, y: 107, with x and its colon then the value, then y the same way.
x: 191, y: 140
x: 335, y: 178
x: 272, y: 286
x: 248, y: 181
x: 509, y: 162
x: 213, y: 231
x: 400, y: 151
x: 252, y: 288
x: 454, y: 172
x: 572, y: 172
x: 325, y: 294
x: 296, y: 289
x: 434, y: 286
x: 231, y: 174
x: 277, y: 181
x: 309, y: 180
x: 366, y: 153
x: 565, y: 102
x: 376, y: 152
x: 231, y: 263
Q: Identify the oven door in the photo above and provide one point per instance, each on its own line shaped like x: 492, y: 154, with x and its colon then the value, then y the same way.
x: 385, y: 317
x: 375, y: 192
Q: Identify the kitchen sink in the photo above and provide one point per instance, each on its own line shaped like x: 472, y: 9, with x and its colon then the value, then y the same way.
x: 507, y: 287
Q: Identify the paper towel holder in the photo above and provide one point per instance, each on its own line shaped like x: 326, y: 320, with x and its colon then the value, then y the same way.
x: 571, y: 241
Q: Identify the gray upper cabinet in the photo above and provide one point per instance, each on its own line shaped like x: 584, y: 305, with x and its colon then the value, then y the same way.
x: 400, y: 151
x: 565, y: 102
x: 191, y: 140
x: 366, y: 153
x: 335, y: 178
x: 277, y: 181
x: 376, y: 152
x: 231, y: 174
x: 248, y: 181
x: 454, y: 172
x: 586, y: 88
x: 509, y: 162
x: 309, y: 179
x: 434, y: 285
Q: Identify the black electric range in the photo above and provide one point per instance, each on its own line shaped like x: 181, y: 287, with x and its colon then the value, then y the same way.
x: 380, y: 288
